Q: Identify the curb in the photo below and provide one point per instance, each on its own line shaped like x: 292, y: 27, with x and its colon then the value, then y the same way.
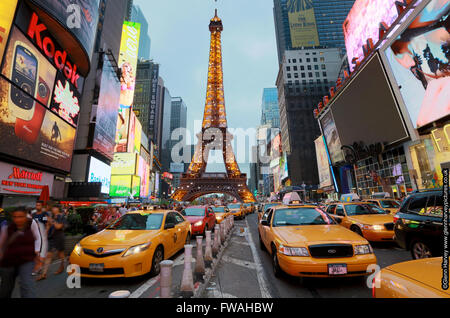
x: 198, y: 292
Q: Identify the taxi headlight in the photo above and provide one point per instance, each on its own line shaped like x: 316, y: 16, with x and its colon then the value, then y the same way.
x: 219, y: 218
x: 376, y: 227
x: 363, y: 249
x: 78, y: 249
x: 199, y: 223
x: 293, y: 251
x: 137, y: 249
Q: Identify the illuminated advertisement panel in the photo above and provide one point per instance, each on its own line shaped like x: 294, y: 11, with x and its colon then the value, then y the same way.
x: 120, y: 186
x: 106, y: 110
x: 363, y: 22
x: 66, y: 100
x: 302, y: 23
x: 322, y: 163
x: 100, y: 172
x: 420, y: 61
x: 124, y: 163
x: 143, y: 172
x: 7, y: 10
x: 123, y: 121
x: 128, y: 58
x: 42, y: 138
x: 131, y: 131
x: 136, y: 187
x: 137, y: 135
x: 332, y: 138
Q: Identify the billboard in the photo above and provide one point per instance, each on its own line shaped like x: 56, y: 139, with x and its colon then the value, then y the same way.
x: 363, y: 22
x: 144, y: 173
x: 302, y: 23
x: 420, y: 61
x: 132, y: 132
x: 122, y: 130
x: 65, y: 100
x: 106, y: 109
x: 120, y: 186
x: 136, y: 187
x: 7, y: 10
x: 137, y: 135
x: 332, y: 137
x: 124, y: 164
x: 79, y: 17
x: 100, y: 172
x: 31, y: 132
x: 322, y: 163
x: 128, y: 58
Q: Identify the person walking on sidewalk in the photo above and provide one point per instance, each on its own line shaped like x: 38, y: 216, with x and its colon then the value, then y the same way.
x: 56, y: 241
x: 20, y: 247
x: 41, y: 216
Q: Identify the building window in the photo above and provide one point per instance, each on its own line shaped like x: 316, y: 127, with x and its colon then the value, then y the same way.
x: 316, y: 67
x: 288, y: 69
x: 309, y: 67
x: 317, y: 74
x: 322, y: 59
x: 310, y: 74
x: 325, y: 81
x: 308, y: 60
x: 296, y: 75
x: 307, y: 53
x: 303, y: 75
x: 300, y: 60
x: 295, y: 68
x: 294, y: 61
x: 302, y: 68
x: 315, y: 59
x: 323, y: 67
x: 325, y: 74
x: 289, y: 75
x: 318, y: 81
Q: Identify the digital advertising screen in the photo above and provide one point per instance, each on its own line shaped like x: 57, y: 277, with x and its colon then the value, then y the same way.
x: 322, y: 163
x: 332, y: 138
x: 363, y: 22
x: 66, y: 100
x: 420, y: 62
x: 106, y: 111
x: 100, y: 172
x: 137, y: 135
x: 128, y: 58
x: 302, y: 23
x: 124, y: 163
x: 31, y: 132
x: 122, y: 130
x: 131, y: 131
x: 7, y: 10
x: 136, y: 186
x: 143, y: 172
x: 120, y: 186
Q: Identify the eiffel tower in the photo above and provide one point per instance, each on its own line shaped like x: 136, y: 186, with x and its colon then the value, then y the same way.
x: 214, y: 136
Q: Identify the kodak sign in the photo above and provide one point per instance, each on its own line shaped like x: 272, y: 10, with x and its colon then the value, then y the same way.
x: 37, y: 33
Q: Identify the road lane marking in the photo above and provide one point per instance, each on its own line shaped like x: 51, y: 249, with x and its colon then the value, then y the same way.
x: 144, y: 287
x: 262, y: 280
x: 239, y: 262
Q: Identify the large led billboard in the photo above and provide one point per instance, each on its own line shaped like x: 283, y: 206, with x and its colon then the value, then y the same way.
x: 124, y: 164
x: 41, y: 137
x: 322, y: 163
x: 7, y: 10
x: 302, y: 23
x: 131, y: 132
x: 420, y: 62
x: 128, y: 58
x: 106, y: 109
x: 363, y: 22
x: 144, y: 173
x: 123, y: 121
x: 100, y: 172
x: 332, y: 137
x: 120, y: 186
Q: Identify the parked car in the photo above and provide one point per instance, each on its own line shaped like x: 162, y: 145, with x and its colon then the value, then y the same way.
x: 418, y: 224
x: 201, y: 217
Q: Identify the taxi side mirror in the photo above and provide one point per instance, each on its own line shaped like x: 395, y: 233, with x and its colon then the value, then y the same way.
x: 264, y: 223
x: 169, y: 226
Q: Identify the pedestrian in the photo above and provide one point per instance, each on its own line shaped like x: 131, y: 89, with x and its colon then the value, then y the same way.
x: 20, y: 247
x: 41, y: 217
x: 56, y: 241
x: 123, y: 210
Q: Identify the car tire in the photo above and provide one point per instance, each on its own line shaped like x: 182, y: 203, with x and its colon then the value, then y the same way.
x: 277, y: 271
x: 262, y: 247
x: 357, y: 230
x: 420, y: 249
x: 158, y: 257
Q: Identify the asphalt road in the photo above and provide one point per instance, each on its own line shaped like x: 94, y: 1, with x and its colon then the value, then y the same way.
x: 387, y: 253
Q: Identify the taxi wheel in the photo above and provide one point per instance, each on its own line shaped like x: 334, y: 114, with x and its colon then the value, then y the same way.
x: 158, y: 257
x: 420, y: 250
x: 277, y: 271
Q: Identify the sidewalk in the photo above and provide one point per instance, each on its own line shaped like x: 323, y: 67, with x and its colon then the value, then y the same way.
x: 239, y: 273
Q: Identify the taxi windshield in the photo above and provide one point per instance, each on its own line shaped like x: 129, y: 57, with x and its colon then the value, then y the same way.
x: 194, y: 212
x: 218, y: 209
x: 300, y: 216
x: 389, y: 204
x: 136, y: 221
x: 234, y: 206
x: 363, y: 209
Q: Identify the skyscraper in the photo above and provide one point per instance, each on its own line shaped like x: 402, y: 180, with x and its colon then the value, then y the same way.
x: 325, y: 17
x: 270, y: 111
x: 144, y: 42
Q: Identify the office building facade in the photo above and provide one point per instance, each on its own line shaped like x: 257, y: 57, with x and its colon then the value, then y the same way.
x: 270, y: 111
x: 144, y: 42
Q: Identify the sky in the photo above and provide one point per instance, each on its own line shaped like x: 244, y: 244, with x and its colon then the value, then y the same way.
x: 180, y: 40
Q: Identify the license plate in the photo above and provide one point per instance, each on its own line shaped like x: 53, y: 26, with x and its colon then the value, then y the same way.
x: 337, y: 269
x: 96, y: 268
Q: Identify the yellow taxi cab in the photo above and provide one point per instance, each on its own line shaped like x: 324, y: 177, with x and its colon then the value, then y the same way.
x: 248, y: 208
x: 413, y: 279
x: 305, y: 241
x: 133, y: 245
x: 364, y: 218
x: 390, y: 205
x: 237, y: 210
x: 222, y: 212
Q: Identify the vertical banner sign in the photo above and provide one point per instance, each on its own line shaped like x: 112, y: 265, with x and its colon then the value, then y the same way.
x: 322, y: 163
x: 128, y: 61
x: 7, y: 10
x: 302, y: 23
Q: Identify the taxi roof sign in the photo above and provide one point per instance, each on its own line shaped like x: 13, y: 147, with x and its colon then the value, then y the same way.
x: 350, y: 197
x: 291, y: 198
